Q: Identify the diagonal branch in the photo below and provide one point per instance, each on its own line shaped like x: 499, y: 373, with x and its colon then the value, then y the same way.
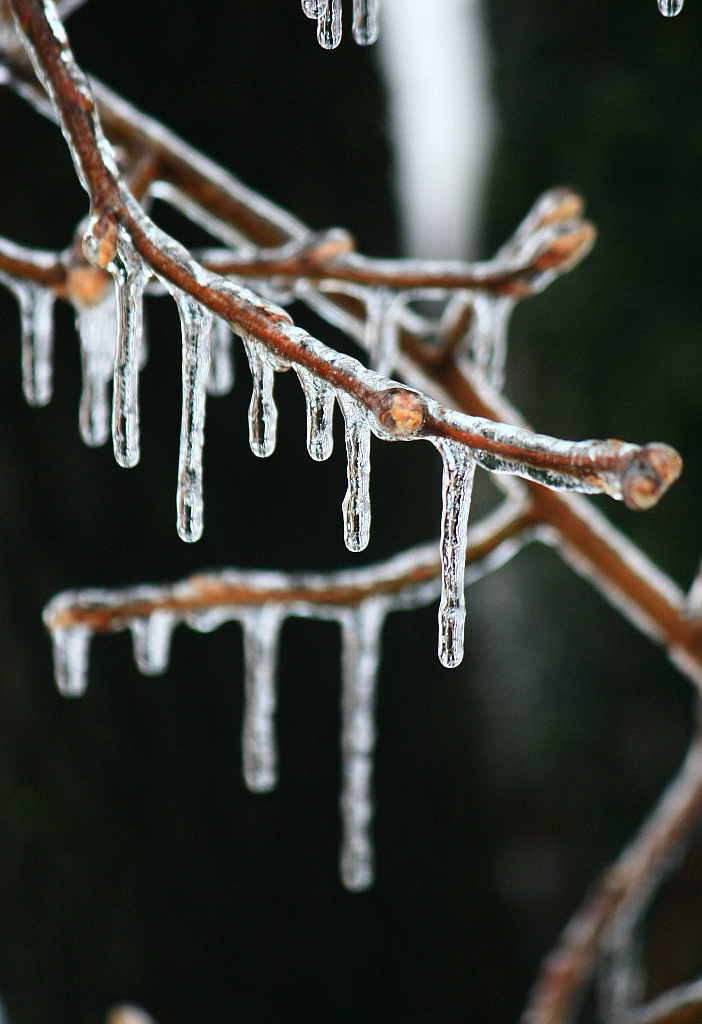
x: 637, y: 475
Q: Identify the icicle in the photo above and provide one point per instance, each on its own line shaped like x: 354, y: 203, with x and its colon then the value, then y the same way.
x: 221, y: 377
x: 365, y: 21
x: 361, y: 632
x: 380, y: 336
x: 196, y: 323
x: 151, y: 640
x: 487, y: 337
x: 319, y: 401
x: 97, y: 330
x: 356, y: 504
x: 261, y: 628
x: 263, y: 415
x: 36, y: 311
x: 669, y: 8
x: 457, y: 485
x: 329, y: 23
x: 130, y: 275
x: 71, y: 645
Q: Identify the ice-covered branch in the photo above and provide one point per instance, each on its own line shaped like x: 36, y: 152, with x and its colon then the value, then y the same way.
x: 567, y: 969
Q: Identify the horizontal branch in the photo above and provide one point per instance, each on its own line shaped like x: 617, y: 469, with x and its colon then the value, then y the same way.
x: 679, y: 1005
x: 402, y: 579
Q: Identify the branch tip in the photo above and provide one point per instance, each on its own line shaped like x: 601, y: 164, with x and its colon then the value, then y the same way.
x: 400, y: 412
x: 649, y: 475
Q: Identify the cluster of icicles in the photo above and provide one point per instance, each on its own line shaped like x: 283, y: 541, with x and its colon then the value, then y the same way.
x: 328, y: 16
x: 152, y: 613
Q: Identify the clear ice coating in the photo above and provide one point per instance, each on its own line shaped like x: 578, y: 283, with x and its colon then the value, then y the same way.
x: 71, y: 648
x: 669, y: 8
x: 97, y: 330
x: 356, y: 504
x: 221, y: 377
x: 261, y: 627
x: 381, y: 334
x: 36, y: 305
x: 487, y: 336
x: 328, y: 16
x: 130, y: 275
x: 360, y: 658
x: 151, y: 641
x: 457, y: 485
x: 365, y: 21
x: 196, y: 324
x: 263, y: 414
x: 319, y: 402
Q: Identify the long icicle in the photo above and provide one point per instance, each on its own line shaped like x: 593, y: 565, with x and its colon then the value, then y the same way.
x: 261, y: 627
x: 37, y: 318
x: 457, y: 485
x: 130, y: 276
x: 361, y: 633
x: 356, y: 504
x: 196, y: 323
x: 263, y: 414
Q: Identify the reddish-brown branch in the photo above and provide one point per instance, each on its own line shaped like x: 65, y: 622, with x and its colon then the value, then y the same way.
x: 569, y: 966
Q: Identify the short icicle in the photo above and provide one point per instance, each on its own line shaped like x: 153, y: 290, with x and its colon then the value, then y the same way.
x: 196, y: 323
x: 319, y: 402
x: 97, y: 330
x: 356, y: 504
x: 71, y: 645
x: 457, y: 485
x: 669, y: 8
x: 365, y: 21
x: 130, y: 275
x: 487, y: 337
x: 222, y: 373
x: 311, y: 8
x: 263, y: 415
x: 361, y: 633
x: 329, y: 23
x: 151, y: 641
x: 37, y: 318
x: 261, y: 628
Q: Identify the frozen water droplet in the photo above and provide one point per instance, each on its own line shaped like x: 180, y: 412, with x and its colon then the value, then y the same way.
x: 356, y: 504
x: 361, y: 632
x: 261, y: 628
x: 263, y: 414
x: 196, y: 323
x: 311, y: 8
x: 151, y: 640
x: 221, y: 377
x: 381, y: 337
x: 97, y: 330
x: 71, y: 646
x: 329, y: 23
x: 130, y: 275
x: 457, y: 485
x: 669, y: 8
x: 365, y: 21
x: 319, y: 401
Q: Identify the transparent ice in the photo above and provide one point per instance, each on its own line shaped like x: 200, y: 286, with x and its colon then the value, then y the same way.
x: 36, y: 304
x: 319, y: 402
x: 263, y: 414
x: 222, y: 373
x: 457, y: 486
x: 151, y: 641
x: 97, y: 330
x: 356, y: 504
x: 261, y: 627
x: 71, y: 649
x: 669, y: 8
x: 361, y: 633
x: 328, y: 16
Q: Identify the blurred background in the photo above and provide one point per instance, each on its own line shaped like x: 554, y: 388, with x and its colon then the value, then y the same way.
x: 135, y: 865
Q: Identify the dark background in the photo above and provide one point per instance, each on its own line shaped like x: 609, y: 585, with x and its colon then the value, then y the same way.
x: 134, y: 864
